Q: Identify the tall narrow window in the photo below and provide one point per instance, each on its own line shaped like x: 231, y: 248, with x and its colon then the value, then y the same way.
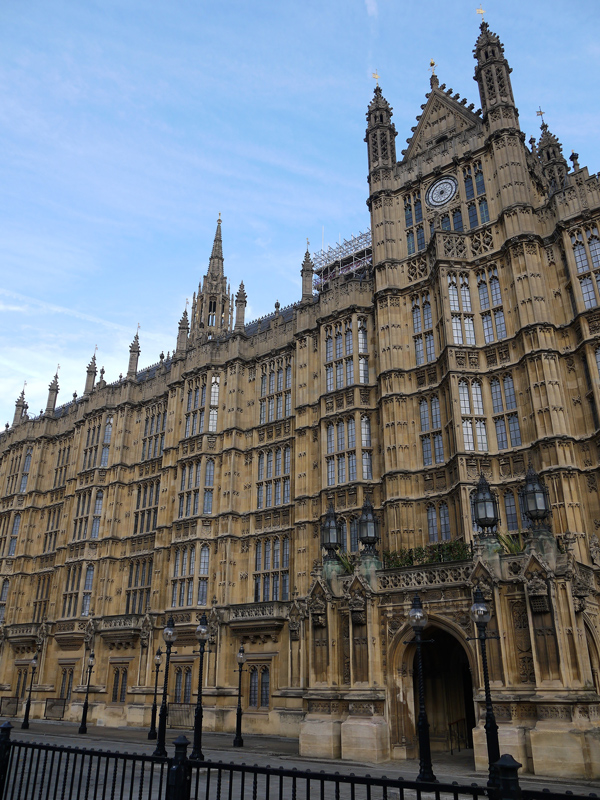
x: 432, y: 526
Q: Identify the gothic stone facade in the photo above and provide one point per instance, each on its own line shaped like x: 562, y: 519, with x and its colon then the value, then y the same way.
x: 471, y: 345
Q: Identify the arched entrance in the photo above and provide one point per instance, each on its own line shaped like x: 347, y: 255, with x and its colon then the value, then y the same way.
x: 448, y: 691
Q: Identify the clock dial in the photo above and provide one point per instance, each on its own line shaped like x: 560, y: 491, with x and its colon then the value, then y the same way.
x: 441, y: 192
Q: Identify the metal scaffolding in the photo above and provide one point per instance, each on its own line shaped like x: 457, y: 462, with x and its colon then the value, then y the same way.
x: 349, y: 256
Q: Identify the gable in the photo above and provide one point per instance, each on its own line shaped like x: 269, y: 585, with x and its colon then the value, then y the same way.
x: 442, y: 116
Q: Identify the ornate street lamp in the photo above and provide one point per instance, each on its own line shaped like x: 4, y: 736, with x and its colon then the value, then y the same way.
x: 418, y: 620
x: 485, y: 507
x: 367, y: 529
x: 90, y: 667
x: 157, y: 662
x: 330, y: 538
x: 25, y: 723
x: 170, y: 636
x: 241, y: 659
x: 535, y: 498
x: 480, y: 614
x: 202, y: 636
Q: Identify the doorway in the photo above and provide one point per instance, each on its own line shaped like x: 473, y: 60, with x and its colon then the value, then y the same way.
x: 448, y: 691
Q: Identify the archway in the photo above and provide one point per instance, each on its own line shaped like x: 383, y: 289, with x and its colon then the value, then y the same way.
x: 449, y: 703
x: 448, y: 691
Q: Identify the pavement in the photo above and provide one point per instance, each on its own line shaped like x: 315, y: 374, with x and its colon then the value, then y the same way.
x: 275, y: 751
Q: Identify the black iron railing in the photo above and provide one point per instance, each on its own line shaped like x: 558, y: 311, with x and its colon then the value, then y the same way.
x: 50, y: 772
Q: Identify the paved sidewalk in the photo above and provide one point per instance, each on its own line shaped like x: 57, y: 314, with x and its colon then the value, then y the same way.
x: 275, y: 751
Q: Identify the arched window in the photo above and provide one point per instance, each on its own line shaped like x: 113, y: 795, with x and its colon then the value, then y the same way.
x: 477, y: 397
x: 342, y: 534
x: 509, y: 392
x: 463, y: 393
x: 261, y: 466
x: 4, y: 598
x: 115, y: 691
x: 265, y: 688
x: 497, y: 405
x: 510, y: 509
x: 97, y: 513
x: 330, y: 438
x: 328, y: 347
x: 424, y: 414
x: 432, y: 527
x: 362, y: 337
x: 189, y: 400
x: 365, y: 427
x: 444, y: 522
x: 187, y: 685
x: 209, y: 475
x: 435, y: 413
x: 203, y: 566
x: 253, y: 694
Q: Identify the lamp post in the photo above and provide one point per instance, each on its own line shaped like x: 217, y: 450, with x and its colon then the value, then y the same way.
x: 157, y: 662
x: 241, y: 659
x: 418, y: 620
x: 202, y: 636
x: 330, y: 534
x: 90, y: 667
x: 480, y: 614
x: 25, y: 723
x: 367, y: 529
x: 170, y: 636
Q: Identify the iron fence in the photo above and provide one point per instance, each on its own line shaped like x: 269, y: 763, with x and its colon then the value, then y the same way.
x: 51, y: 772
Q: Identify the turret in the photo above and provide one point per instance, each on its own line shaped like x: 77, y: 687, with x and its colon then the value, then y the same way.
x: 381, y: 133
x: 492, y: 74
x: 52, y: 395
x: 90, y: 378
x: 134, y: 354
x: 240, y: 308
x: 554, y: 164
x: 20, y: 409
x: 307, y: 272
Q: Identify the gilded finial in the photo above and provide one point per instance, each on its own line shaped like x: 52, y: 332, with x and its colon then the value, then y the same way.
x: 432, y: 66
x: 480, y: 11
x: 307, y: 243
x: 376, y: 76
x: 138, y: 327
x: 219, y: 220
x: 541, y: 113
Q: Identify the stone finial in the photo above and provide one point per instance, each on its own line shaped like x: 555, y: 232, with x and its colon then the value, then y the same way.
x: 20, y: 409
x: 240, y: 308
x: 52, y: 395
x: 307, y: 272
x: 574, y: 158
x: 182, y: 333
x: 134, y: 354
x: 90, y: 377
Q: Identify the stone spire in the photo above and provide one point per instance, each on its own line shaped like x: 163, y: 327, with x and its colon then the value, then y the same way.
x: 182, y: 334
x: 240, y: 308
x: 554, y: 164
x: 307, y: 272
x: 215, y: 264
x: 52, y: 395
x: 381, y: 132
x: 492, y: 74
x: 134, y: 354
x: 211, y: 310
x: 20, y: 409
x: 90, y: 377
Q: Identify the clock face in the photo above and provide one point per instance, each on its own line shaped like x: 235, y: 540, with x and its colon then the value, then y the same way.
x: 441, y: 192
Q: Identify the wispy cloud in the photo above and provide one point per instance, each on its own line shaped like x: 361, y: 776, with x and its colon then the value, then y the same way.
x: 371, y: 6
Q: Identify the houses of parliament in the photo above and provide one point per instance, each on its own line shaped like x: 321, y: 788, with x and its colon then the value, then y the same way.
x: 460, y: 337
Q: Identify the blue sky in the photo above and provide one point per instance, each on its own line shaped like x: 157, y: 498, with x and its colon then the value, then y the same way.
x: 127, y: 126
